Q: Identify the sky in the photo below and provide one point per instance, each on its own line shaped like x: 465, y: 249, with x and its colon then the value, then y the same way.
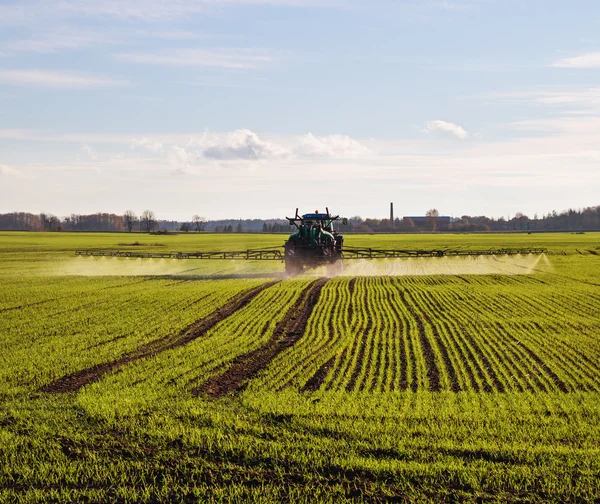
x: 251, y: 108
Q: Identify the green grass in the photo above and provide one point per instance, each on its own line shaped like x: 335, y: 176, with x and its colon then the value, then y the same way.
x: 432, y: 388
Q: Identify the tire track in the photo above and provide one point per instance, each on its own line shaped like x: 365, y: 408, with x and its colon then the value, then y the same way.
x: 287, y: 332
x: 316, y: 380
x: 74, y: 381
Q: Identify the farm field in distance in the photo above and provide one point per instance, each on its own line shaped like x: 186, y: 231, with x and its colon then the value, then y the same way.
x: 429, y: 380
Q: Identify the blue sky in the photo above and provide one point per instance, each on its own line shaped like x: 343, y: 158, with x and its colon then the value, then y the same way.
x: 251, y: 108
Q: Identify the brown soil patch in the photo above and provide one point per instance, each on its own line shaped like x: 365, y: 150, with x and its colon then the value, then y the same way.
x: 287, y: 332
x: 77, y: 380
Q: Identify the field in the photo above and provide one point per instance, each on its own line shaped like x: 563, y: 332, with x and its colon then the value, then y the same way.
x: 429, y: 380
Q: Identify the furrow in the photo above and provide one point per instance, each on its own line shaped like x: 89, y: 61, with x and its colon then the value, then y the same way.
x: 77, y: 380
x: 287, y: 332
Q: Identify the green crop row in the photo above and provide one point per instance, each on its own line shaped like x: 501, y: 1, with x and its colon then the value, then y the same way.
x: 496, y: 334
x: 179, y: 371
x: 86, y: 323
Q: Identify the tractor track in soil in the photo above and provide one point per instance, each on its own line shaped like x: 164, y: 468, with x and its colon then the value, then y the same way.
x: 286, y: 333
x: 315, y: 382
x: 74, y: 381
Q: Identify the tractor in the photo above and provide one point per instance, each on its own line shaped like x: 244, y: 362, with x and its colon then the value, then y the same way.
x: 316, y: 242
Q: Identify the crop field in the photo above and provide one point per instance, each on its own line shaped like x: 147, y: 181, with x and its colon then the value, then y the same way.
x: 404, y: 380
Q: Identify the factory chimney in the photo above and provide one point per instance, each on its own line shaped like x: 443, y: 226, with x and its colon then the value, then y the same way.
x: 392, y: 214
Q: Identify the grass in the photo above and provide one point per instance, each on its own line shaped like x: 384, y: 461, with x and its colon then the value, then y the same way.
x: 427, y: 388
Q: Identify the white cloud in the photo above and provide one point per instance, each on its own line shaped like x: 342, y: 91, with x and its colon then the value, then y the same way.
x: 446, y: 127
x: 329, y: 146
x: 180, y: 159
x: 589, y: 60
x: 151, y: 145
x: 215, y: 58
x: 489, y: 172
x: 243, y: 144
x: 7, y: 171
x: 49, y: 79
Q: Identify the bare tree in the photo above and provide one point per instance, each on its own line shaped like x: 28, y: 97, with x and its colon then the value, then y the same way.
x: 49, y: 222
x: 432, y: 216
x: 198, y: 222
x: 148, y: 220
x: 129, y: 219
x: 521, y: 219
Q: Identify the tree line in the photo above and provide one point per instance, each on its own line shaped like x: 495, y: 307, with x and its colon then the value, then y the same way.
x: 570, y: 220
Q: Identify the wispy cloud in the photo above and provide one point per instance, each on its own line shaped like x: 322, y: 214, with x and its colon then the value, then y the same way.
x: 49, y: 79
x: 216, y: 58
x: 446, y: 127
x: 574, y: 98
x: 169, y: 9
x: 173, y: 35
x: 151, y: 145
x: 588, y: 60
x: 329, y: 146
x: 58, y: 40
x: 28, y: 12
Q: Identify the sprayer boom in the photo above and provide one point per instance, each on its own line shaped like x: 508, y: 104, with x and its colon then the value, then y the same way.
x: 247, y: 255
x: 370, y: 253
x: 277, y: 254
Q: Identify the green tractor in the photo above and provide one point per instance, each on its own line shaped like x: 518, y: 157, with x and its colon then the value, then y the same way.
x: 315, y: 243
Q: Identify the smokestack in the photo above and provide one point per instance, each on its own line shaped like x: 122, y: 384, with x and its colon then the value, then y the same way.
x: 392, y: 213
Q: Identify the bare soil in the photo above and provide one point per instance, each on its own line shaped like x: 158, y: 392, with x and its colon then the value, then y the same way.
x: 315, y: 382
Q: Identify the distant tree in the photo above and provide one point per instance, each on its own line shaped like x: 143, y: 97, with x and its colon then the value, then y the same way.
x: 198, y: 222
x: 407, y: 224
x: 129, y: 219
x: 432, y: 217
x: 265, y: 227
x: 49, y: 222
x: 229, y: 229
x: 239, y: 228
x: 186, y: 226
x: 148, y: 220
